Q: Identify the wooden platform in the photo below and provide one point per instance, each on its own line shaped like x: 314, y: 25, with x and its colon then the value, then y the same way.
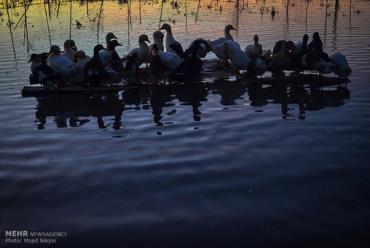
x: 294, y: 79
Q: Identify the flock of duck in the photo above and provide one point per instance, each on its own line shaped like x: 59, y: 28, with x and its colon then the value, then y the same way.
x: 73, y: 66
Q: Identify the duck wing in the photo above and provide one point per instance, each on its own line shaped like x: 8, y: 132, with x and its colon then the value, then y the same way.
x: 240, y: 60
x: 254, y: 51
x: 105, y: 55
x: 170, y: 60
x: 219, y: 41
x: 200, y: 43
x: 177, y: 48
x: 341, y: 64
x: 142, y: 54
x: 220, y: 50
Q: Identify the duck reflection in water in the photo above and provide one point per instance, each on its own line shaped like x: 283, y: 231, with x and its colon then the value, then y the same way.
x: 229, y: 91
x: 163, y: 96
x: 312, y: 98
x: 75, y: 111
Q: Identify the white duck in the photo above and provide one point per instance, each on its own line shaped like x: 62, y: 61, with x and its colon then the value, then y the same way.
x: 301, y: 46
x: 40, y: 71
x: 78, y: 68
x: 254, y: 51
x: 260, y: 66
x: 141, y: 52
x: 158, y: 37
x: 105, y: 54
x: 227, y: 36
x: 217, y: 46
x: 172, y: 45
x: 239, y: 59
x: 59, y: 63
x: 164, y: 60
x: 35, y: 61
x: 108, y: 37
x: 342, y: 68
x: 322, y: 66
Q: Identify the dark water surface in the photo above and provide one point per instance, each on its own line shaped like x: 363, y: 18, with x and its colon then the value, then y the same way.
x: 221, y: 164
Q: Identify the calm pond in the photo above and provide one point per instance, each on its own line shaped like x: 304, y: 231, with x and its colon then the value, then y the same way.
x: 222, y: 164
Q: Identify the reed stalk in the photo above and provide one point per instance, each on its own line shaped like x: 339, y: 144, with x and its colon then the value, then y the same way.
x: 161, y: 14
x: 9, y: 24
x: 99, y: 19
x: 197, y: 14
x: 47, y: 24
x: 26, y: 25
x: 70, y: 19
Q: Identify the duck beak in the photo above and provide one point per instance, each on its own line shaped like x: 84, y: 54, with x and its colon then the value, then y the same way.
x: 147, y: 40
x: 119, y: 44
x: 232, y: 28
x: 29, y: 61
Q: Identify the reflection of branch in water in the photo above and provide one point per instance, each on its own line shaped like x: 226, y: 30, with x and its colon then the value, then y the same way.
x: 49, y: 8
x: 197, y: 14
x: 47, y: 24
x: 287, y: 19
x: 99, y: 18
x: 22, y: 16
x: 161, y: 14
x: 186, y: 16
x: 9, y: 24
x: 129, y: 24
x: 70, y: 19
x: 262, y: 9
x: 306, y: 20
x: 237, y: 15
x: 26, y: 26
x: 140, y: 10
x: 350, y: 21
x: 335, y: 20
x: 326, y: 21
x: 58, y: 7
x: 130, y: 13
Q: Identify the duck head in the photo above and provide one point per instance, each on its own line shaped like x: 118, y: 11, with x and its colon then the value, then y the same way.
x: 113, y: 44
x: 204, y: 49
x: 228, y: 28
x: 70, y: 44
x: 158, y: 39
x: 97, y: 49
x: 166, y: 27
x: 44, y: 58
x: 54, y: 50
x: 291, y: 49
x: 35, y: 58
x: 196, y: 50
x: 316, y: 36
x: 79, y: 55
x: 143, y: 39
x: 305, y: 39
x: 255, y: 39
x: 110, y: 36
x: 154, y: 51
